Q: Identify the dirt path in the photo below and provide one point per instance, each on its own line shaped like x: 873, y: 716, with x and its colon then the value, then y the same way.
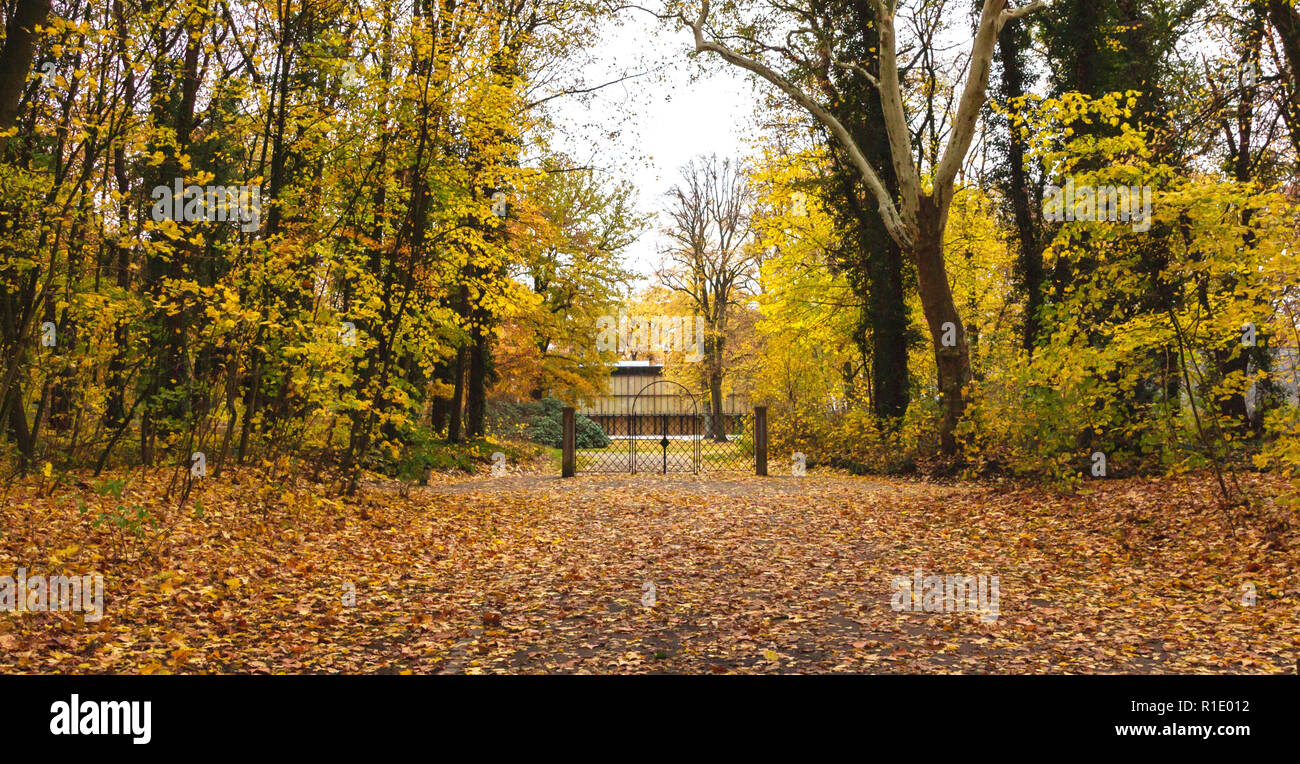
x: 703, y: 484
x: 664, y: 574
x: 795, y: 574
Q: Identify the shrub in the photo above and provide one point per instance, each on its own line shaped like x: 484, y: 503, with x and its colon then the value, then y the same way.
x: 542, y: 422
x: 855, y: 439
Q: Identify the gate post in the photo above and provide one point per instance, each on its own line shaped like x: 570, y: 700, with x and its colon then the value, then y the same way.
x: 568, y: 444
x: 760, y: 440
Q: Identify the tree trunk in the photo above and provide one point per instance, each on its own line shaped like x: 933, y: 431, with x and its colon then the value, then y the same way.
x: 439, y: 406
x: 1286, y: 19
x: 1016, y: 187
x: 115, y: 408
x: 16, y: 57
x: 476, y: 400
x: 719, y: 426
x: 457, y: 398
x: 888, y: 313
x: 22, y: 435
x: 953, y: 359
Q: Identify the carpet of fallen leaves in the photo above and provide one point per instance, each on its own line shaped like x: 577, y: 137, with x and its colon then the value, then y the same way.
x: 530, y: 574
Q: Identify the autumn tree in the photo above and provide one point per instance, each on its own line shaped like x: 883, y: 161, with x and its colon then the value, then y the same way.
x: 915, y: 217
x: 711, y: 259
x: 572, y: 227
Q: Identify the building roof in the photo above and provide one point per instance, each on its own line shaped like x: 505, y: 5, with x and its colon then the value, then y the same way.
x: 637, y: 369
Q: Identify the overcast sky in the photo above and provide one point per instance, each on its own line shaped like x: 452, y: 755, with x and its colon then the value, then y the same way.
x: 662, y: 120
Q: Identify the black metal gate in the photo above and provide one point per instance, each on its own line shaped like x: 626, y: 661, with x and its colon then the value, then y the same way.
x: 666, y: 428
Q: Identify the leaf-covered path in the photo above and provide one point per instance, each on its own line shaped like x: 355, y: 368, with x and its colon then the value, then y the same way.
x: 665, y: 574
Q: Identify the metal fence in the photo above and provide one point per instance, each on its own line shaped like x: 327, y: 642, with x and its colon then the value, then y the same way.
x: 667, y: 428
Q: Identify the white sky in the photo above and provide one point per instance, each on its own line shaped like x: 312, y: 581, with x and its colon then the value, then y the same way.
x: 662, y: 120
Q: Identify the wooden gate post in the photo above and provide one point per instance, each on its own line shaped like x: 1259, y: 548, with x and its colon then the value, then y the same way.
x: 760, y: 440
x: 568, y: 444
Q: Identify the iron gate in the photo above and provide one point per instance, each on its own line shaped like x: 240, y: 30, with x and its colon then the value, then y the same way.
x: 665, y: 428
x: 664, y: 414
